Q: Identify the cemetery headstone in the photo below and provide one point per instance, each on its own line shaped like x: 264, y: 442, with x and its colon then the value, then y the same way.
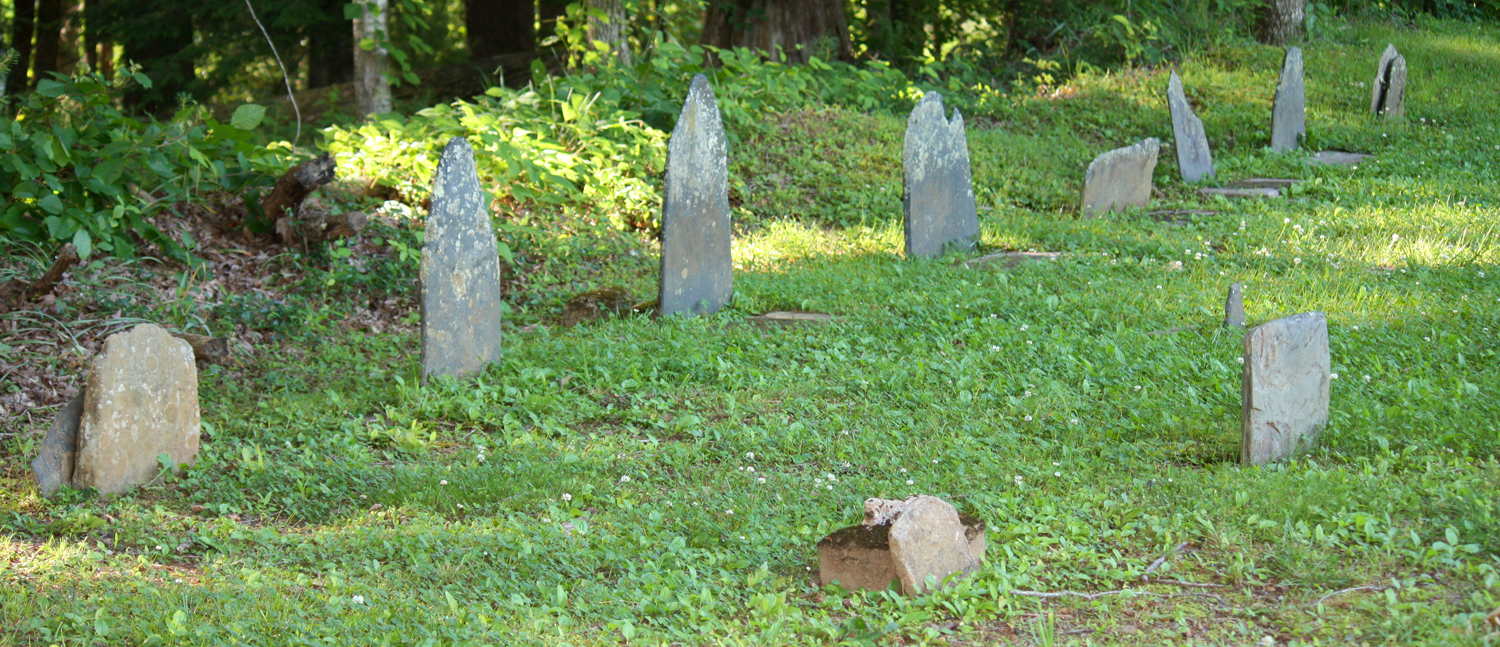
x: 1289, y: 108
x: 53, y: 466
x: 1194, y: 160
x: 938, y: 193
x: 1120, y: 178
x: 861, y: 557
x: 1338, y: 158
x: 1240, y: 193
x: 460, y: 271
x: 1285, y: 388
x: 928, y: 539
x: 1234, y: 307
x: 141, y: 401
x: 697, y: 271
x: 1388, y: 91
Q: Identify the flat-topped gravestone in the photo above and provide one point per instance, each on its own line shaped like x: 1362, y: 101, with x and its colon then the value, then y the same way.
x: 1194, y: 160
x: 53, y: 467
x: 938, y: 189
x: 1120, y: 178
x: 1289, y: 108
x: 1285, y: 388
x: 1388, y: 92
x: 697, y: 272
x: 141, y: 401
x: 1338, y: 158
x: 1008, y: 260
x: 460, y: 271
x: 1234, y: 307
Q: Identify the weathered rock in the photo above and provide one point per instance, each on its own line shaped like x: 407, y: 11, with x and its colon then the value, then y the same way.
x: 938, y: 192
x: 789, y: 318
x: 1120, y: 178
x: 460, y: 271
x: 1289, y: 108
x: 1194, y: 160
x: 141, y: 401
x: 1240, y: 193
x: 597, y: 304
x: 1262, y: 183
x: 1338, y: 158
x: 1394, y: 104
x: 1285, y: 388
x: 697, y: 273
x: 53, y: 467
x: 928, y: 539
x: 1234, y: 307
x: 1386, y: 98
x: 1008, y: 260
x: 859, y: 557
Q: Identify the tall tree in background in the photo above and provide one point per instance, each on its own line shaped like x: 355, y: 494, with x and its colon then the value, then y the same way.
x: 372, y: 88
x: 609, y: 27
x: 99, y: 53
x: 500, y: 26
x: 799, y: 29
x: 896, y: 30
x: 20, y: 36
x: 1280, y: 20
x: 49, y: 25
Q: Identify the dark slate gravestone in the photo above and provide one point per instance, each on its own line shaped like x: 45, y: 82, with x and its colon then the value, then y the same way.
x: 1120, y: 178
x: 53, y: 466
x: 1193, y: 157
x: 1382, y: 78
x: 939, y: 192
x: 1388, y: 92
x: 460, y: 271
x: 697, y: 272
x: 1234, y: 307
x: 1289, y: 108
x: 1285, y: 388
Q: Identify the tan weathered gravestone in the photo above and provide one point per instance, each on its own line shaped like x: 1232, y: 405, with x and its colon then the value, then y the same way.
x: 1120, y: 178
x: 1285, y: 388
x: 859, y: 557
x: 460, y: 271
x: 141, y: 401
x: 928, y: 539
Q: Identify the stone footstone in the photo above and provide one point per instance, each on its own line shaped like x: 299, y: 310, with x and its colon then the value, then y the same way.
x: 1234, y: 307
x: 1388, y: 91
x: 1240, y: 193
x: 697, y: 272
x: 1289, y: 108
x: 859, y: 557
x: 1285, y: 388
x: 1338, y: 158
x: 1008, y: 260
x: 460, y: 271
x: 53, y: 467
x: 789, y: 318
x: 1262, y: 183
x: 1120, y: 178
x: 938, y: 190
x: 141, y: 401
x: 929, y: 539
x: 1194, y: 160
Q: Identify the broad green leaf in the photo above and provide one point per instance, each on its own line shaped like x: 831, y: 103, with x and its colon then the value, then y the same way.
x: 51, y: 203
x: 83, y: 243
x: 50, y: 88
x: 248, y: 116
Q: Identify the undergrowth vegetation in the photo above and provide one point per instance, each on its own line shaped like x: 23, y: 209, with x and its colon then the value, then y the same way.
x: 647, y: 481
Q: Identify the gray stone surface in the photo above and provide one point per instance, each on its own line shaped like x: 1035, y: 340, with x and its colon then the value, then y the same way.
x: 1240, y: 193
x: 1289, y: 108
x: 1285, y: 388
x: 938, y: 188
x: 789, y: 318
x: 1234, y: 307
x: 460, y: 271
x: 1382, y: 78
x: 1395, y: 92
x: 1008, y: 260
x: 1338, y: 158
x: 1120, y: 178
x: 697, y: 272
x: 1262, y: 183
x: 1194, y: 160
x: 141, y: 400
x: 929, y: 539
x: 53, y: 467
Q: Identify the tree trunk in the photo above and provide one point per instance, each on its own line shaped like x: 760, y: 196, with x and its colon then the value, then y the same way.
x: 500, y: 26
x: 897, y: 29
x: 49, y: 25
x: 71, y: 33
x: 372, y: 90
x: 791, y: 29
x: 1280, y: 20
x: 20, y: 37
x: 330, y: 48
x: 611, y: 28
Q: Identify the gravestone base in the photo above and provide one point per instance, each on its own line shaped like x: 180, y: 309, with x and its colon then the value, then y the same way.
x: 1262, y: 183
x: 1008, y: 260
x: 1175, y: 217
x: 859, y: 558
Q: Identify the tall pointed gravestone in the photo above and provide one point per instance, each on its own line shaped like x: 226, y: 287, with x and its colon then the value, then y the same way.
x: 460, y: 271
x: 1284, y: 392
x: 1388, y: 92
x: 697, y: 271
x: 1193, y: 157
x: 1120, y: 178
x: 938, y: 191
x: 1289, y: 108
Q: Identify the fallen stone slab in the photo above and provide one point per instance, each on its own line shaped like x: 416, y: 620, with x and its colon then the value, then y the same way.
x: 1285, y: 388
x: 1240, y: 193
x: 859, y: 557
x: 789, y: 318
x: 1338, y: 158
x: 1261, y: 183
x: 1008, y: 260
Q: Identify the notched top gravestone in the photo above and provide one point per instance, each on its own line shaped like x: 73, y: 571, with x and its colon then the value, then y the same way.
x: 1289, y: 108
x: 938, y: 191
x: 460, y: 271
x: 1194, y: 160
x: 1285, y: 388
x: 141, y: 401
x: 1120, y: 178
x: 697, y: 271
x: 1388, y: 94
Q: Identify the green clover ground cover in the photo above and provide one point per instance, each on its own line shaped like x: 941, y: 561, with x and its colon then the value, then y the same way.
x: 665, y: 482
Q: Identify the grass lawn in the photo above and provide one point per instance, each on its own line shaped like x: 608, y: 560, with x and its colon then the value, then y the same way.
x: 640, y: 481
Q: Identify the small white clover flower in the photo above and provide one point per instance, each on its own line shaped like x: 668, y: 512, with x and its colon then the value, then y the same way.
x: 1024, y: 327
x: 1056, y: 464
x: 1367, y: 377
x: 1073, y: 421
x: 358, y: 599
x: 624, y: 478
x: 1395, y: 237
x: 1333, y: 376
x: 760, y: 479
x: 910, y: 482
x: 1018, y: 480
x: 729, y: 511
x: 749, y: 469
x: 1027, y: 418
x: 1137, y: 387
x: 567, y: 497
x: 903, y: 470
x: 1057, y: 473
x: 750, y: 455
x: 1028, y: 342
x: 829, y: 486
x: 159, y: 548
x: 1286, y: 221
x: 1296, y: 261
x: 443, y: 482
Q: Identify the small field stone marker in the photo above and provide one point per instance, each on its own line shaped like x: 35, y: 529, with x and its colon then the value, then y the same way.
x: 1120, y: 178
x: 460, y: 271
x: 1194, y: 160
x: 938, y: 193
x: 697, y: 271
x: 1289, y: 108
x: 58, y: 454
x: 935, y: 540
x: 1285, y: 388
x: 1388, y: 95
x: 141, y: 401
x: 1234, y: 307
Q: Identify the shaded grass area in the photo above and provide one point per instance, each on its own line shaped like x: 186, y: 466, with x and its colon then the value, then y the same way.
x: 665, y: 482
